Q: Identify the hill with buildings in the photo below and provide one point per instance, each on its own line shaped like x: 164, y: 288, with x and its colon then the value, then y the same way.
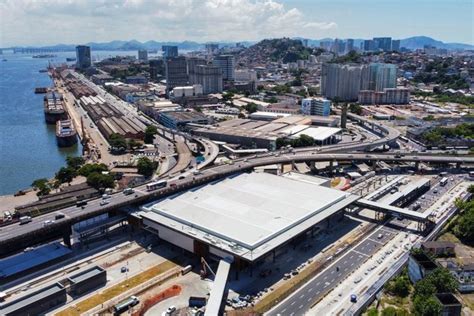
x: 278, y: 50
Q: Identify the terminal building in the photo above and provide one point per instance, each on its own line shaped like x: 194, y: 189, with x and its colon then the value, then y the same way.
x: 246, y: 217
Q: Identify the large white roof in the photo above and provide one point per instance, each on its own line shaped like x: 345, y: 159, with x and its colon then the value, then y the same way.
x: 319, y: 133
x: 249, y: 210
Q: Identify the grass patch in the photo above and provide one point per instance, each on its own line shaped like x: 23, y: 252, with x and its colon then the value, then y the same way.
x: 117, y: 289
x: 449, y: 237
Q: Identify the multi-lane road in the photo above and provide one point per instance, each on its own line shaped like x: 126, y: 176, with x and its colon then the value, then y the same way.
x: 74, y: 214
x: 302, y: 300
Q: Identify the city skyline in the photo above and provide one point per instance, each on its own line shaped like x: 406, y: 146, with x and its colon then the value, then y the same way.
x: 238, y: 20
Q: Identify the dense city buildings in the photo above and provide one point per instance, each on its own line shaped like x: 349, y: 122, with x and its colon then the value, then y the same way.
x: 227, y: 64
x: 83, y: 57
x: 176, y: 72
x: 169, y: 51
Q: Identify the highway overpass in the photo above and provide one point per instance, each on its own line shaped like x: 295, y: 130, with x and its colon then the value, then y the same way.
x: 14, y: 237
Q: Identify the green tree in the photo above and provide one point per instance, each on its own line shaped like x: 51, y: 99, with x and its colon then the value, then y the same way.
x: 251, y: 107
x: 146, y: 167
x: 399, y: 286
x: 117, y: 141
x: 150, y: 133
x: 42, y: 185
x: 65, y: 174
x: 372, y: 312
x: 87, y: 169
x: 471, y: 189
x: 424, y: 288
x: 443, y: 280
x: 355, y: 108
x: 74, y: 162
x: 427, y: 306
x: 227, y: 96
x: 100, y: 181
x: 131, y: 143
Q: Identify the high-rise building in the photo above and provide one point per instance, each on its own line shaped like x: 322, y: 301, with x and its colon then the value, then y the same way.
x: 383, y: 43
x: 169, y: 51
x: 142, y: 55
x: 176, y: 72
x: 209, y: 77
x: 369, y: 45
x: 316, y: 106
x: 380, y: 76
x: 157, y: 68
x: 342, y: 81
x: 396, y: 45
x: 349, y: 44
x: 83, y: 57
x: 326, y: 45
x: 192, y: 63
x: 227, y: 64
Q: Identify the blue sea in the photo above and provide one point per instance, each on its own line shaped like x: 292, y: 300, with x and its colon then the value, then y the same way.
x: 28, y: 149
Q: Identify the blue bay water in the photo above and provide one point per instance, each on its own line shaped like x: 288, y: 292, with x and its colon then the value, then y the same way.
x: 28, y: 149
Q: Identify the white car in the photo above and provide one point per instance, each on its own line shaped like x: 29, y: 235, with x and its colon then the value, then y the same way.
x: 170, y: 310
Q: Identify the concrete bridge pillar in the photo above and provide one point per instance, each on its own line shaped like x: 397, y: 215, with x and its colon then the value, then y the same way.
x: 417, y: 165
x: 458, y: 165
x: 67, y: 236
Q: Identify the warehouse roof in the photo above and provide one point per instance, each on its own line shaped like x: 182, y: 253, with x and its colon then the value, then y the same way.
x: 248, y: 214
x: 319, y: 133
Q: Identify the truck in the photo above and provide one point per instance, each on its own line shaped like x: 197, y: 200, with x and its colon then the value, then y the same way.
x: 25, y: 219
x: 126, y: 305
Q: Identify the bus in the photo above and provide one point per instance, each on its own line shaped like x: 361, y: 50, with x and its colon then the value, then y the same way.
x: 443, y: 182
x: 126, y: 305
x: 156, y: 185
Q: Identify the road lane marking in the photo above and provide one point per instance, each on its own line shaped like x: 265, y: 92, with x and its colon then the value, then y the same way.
x: 301, y: 306
x: 309, y: 290
x: 293, y: 303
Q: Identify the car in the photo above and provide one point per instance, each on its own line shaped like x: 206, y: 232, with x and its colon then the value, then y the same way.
x: 170, y: 310
x: 104, y: 202
x: 123, y: 269
x: 48, y: 222
x: 379, y: 236
x: 353, y: 298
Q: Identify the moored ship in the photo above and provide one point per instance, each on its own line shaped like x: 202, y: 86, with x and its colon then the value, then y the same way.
x: 54, y: 107
x: 66, y: 134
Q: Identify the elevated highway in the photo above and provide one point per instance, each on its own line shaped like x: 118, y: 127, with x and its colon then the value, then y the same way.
x: 15, y: 237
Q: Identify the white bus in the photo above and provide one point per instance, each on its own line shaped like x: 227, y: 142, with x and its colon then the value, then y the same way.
x: 443, y: 182
x: 156, y: 185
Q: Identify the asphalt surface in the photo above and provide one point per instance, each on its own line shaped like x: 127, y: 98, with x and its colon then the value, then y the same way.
x: 302, y: 300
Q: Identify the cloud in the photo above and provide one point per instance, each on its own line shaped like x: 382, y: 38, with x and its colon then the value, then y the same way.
x: 67, y: 21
